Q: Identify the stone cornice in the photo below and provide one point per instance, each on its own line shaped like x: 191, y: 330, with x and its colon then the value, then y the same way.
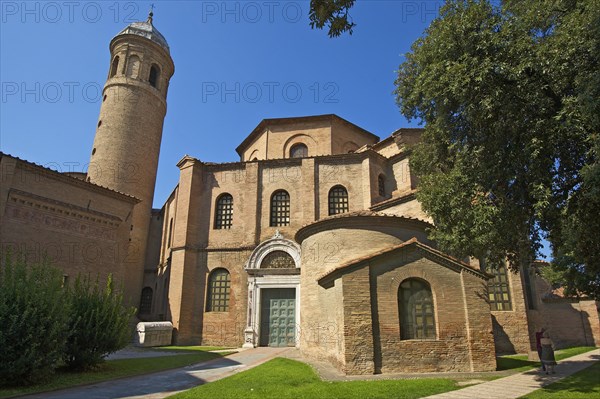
x: 66, y: 209
x: 361, y: 219
x: 52, y: 174
x: 195, y: 248
x: 437, y: 256
x: 393, y: 201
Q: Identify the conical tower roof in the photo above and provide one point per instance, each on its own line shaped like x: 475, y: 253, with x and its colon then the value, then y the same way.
x: 146, y: 29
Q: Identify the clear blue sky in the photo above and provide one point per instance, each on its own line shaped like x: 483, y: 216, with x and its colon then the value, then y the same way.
x: 236, y: 63
x: 260, y: 57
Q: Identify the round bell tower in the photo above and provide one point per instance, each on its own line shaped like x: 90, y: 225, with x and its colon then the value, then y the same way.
x: 129, y: 131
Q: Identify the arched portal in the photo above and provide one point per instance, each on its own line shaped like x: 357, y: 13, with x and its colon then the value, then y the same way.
x: 273, y: 294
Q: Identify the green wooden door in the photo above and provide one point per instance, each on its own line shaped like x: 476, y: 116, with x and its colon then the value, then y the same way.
x: 278, y: 317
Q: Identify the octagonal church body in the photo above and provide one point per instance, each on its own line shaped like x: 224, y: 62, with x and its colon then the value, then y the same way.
x: 314, y: 239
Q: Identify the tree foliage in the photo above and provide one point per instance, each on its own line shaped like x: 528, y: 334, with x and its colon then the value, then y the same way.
x: 98, y: 325
x: 333, y: 14
x: 45, y: 325
x: 33, y: 320
x: 510, y: 98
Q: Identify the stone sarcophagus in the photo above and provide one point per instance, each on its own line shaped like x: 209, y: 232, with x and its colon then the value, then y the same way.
x: 158, y: 333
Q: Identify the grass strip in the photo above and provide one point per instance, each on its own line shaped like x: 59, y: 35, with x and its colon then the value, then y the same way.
x: 520, y: 363
x: 111, y: 370
x: 582, y: 385
x: 285, y: 378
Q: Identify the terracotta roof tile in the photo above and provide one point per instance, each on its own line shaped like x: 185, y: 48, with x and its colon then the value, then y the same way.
x: 412, y: 241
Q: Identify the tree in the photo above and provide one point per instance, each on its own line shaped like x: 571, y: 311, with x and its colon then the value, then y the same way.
x: 332, y: 14
x: 510, y: 99
x: 33, y: 320
x: 98, y: 323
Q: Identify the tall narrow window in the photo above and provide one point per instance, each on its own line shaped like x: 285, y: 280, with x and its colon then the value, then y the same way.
x: 133, y: 66
x: 381, y: 185
x: 224, y: 212
x: 170, y: 236
x: 280, y: 208
x: 299, y: 151
x: 528, y: 279
x: 338, y: 200
x: 146, y: 301
x: 114, y: 67
x: 219, y: 285
x: 498, y: 289
x: 154, y: 74
x: 415, y: 304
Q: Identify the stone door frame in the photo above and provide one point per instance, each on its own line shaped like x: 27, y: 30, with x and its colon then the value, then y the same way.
x: 267, y: 280
x: 255, y: 287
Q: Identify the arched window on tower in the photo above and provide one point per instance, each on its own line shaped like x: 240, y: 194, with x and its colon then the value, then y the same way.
x: 299, y: 151
x: 338, y: 200
x: 114, y: 67
x: 224, y: 212
x: 219, y: 285
x: 381, y: 185
x: 133, y: 67
x: 415, y: 304
x: 280, y: 208
x: 154, y: 75
x: 146, y: 301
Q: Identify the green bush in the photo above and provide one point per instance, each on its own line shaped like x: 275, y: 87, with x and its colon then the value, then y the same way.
x: 99, y: 323
x: 33, y: 320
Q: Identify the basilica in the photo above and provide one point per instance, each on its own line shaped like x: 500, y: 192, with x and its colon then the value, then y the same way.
x: 313, y: 239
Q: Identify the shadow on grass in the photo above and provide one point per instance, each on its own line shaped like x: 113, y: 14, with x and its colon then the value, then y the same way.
x: 583, y: 384
x: 116, y: 377
x: 508, y: 363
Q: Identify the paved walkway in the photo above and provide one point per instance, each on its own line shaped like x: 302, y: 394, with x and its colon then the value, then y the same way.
x: 162, y: 384
x: 521, y: 384
x: 165, y: 383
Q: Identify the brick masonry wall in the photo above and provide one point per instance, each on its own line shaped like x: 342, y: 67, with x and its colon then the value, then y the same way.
x: 226, y: 328
x: 358, y: 325
x: 321, y: 308
x: 511, y: 330
x: 569, y: 322
x: 453, y: 349
x: 82, y: 229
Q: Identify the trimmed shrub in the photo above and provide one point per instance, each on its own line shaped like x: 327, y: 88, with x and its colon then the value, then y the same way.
x: 33, y: 320
x: 99, y: 323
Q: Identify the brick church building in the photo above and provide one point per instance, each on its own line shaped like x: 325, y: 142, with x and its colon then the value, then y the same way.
x: 314, y: 239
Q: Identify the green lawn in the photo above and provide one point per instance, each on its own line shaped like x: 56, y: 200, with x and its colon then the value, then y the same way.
x: 113, y: 369
x: 582, y: 385
x: 284, y: 378
x: 520, y: 363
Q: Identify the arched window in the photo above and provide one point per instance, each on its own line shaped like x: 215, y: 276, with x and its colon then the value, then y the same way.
x: 415, y: 304
x: 224, y: 212
x: 338, y: 200
x: 154, y: 75
x: 381, y: 185
x: 146, y: 301
x: 498, y: 289
x: 133, y: 66
x: 299, y: 151
x: 278, y: 260
x: 280, y: 208
x: 219, y: 285
x: 114, y: 67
